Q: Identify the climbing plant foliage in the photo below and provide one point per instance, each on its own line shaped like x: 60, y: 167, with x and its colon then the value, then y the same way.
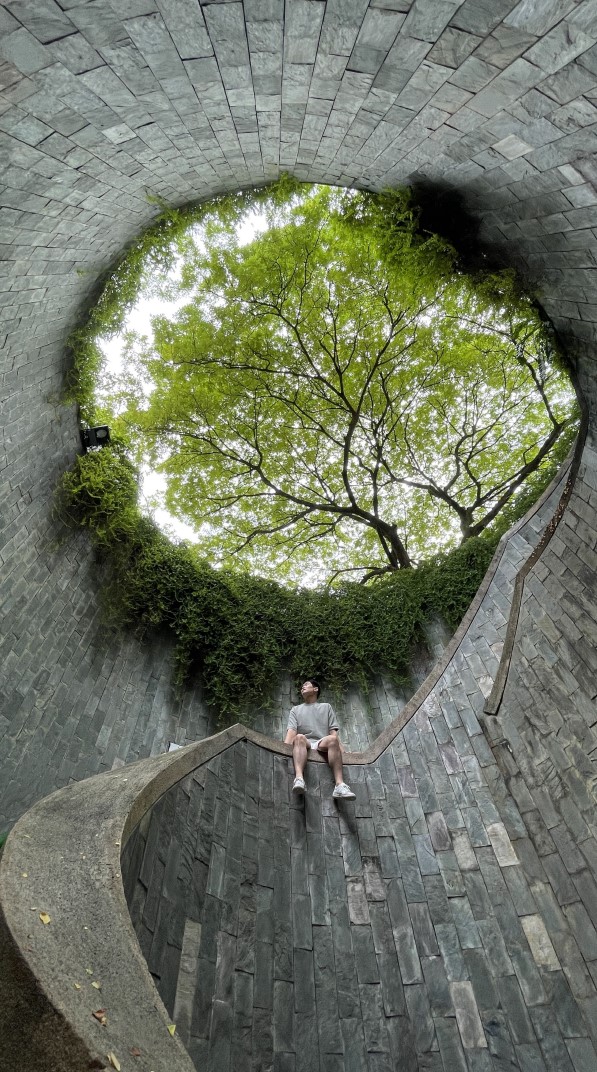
x: 240, y: 631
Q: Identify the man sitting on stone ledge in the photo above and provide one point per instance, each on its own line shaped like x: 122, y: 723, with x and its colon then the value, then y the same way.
x: 313, y: 725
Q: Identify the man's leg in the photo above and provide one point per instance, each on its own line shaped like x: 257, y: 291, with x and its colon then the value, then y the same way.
x: 330, y: 747
x: 299, y: 754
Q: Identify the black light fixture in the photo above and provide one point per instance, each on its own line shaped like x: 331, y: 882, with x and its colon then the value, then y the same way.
x: 95, y: 437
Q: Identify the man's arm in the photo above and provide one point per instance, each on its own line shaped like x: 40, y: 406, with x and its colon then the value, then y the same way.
x: 290, y: 735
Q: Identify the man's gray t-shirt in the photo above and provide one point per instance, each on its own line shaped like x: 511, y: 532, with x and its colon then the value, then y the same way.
x: 315, y: 720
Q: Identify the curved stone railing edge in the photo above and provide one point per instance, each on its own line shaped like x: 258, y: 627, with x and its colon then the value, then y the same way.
x: 494, y: 699
x: 65, y: 921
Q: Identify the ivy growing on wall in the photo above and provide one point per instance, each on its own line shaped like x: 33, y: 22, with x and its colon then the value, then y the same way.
x: 240, y: 631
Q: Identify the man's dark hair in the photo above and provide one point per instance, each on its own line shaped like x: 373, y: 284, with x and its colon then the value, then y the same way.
x: 315, y: 683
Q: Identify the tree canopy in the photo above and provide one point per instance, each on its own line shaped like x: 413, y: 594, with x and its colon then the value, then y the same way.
x: 334, y: 399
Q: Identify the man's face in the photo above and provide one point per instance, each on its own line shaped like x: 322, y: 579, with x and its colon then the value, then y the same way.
x: 308, y: 691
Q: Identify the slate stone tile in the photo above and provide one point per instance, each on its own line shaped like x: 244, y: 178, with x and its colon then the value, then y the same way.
x: 381, y: 820
x: 266, y: 774
x: 284, y: 1062
x: 299, y: 872
x: 220, y: 1035
x: 246, y: 928
x: 402, y: 1044
x: 492, y: 876
x: 347, y: 986
x: 450, y: 757
x: 530, y: 861
x: 388, y: 857
x: 304, y: 984
x: 499, y: 1041
x: 423, y: 929
x: 355, y: 1055
x: 263, y: 1047
x: 528, y: 977
x: 282, y: 951
x: 281, y: 851
x: 451, y: 873
x: 411, y: 879
x: 582, y: 1054
x: 539, y: 833
x: 301, y: 922
x: 489, y: 812
x: 387, y: 768
x: 319, y: 899
x: 475, y: 828
x: 283, y: 1017
x: 587, y: 890
x: 468, y: 931
x: 374, y: 1027
x: 406, y: 780
x: 362, y: 804
x: 298, y: 829
x: 480, y: 973
x: 375, y: 888
x: 462, y: 790
x: 582, y: 929
x: 567, y: 1012
x: 351, y: 854
x: 325, y: 992
x: 439, y: 906
x: 495, y: 947
x: 552, y: 1044
x: 415, y: 815
x: 332, y: 843
x: 501, y: 844
x: 447, y: 938
x: 243, y: 1000
x: 364, y: 953
x: 515, y: 1010
x: 563, y: 885
x: 366, y: 835
x: 307, y: 1054
x: 336, y: 879
x: 428, y: 864
x: 197, y: 1050
x: 450, y: 1045
x: 263, y: 988
x: 437, y: 986
x: 438, y: 831
x: 374, y: 781
x: 397, y: 904
x: 480, y: 1061
x: 358, y: 907
x: 520, y: 892
x: 394, y: 801
x: 540, y: 943
x: 530, y: 1058
x: 206, y: 974
x: 226, y: 955
x: 477, y: 894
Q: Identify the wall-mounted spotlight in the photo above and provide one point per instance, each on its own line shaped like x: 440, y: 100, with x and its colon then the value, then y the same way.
x: 95, y: 437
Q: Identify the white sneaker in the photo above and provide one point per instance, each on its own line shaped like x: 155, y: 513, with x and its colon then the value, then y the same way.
x: 299, y: 786
x: 343, y: 790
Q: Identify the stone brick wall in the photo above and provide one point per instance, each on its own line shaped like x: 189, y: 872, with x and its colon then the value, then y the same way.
x: 103, y: 109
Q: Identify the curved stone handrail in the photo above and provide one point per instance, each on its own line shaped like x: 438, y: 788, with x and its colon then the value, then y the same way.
x: 63, y: 858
